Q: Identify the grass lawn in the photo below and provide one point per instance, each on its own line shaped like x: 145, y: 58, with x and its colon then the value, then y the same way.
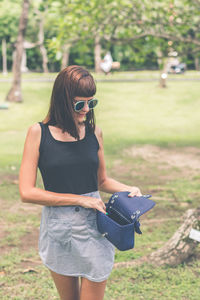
x: 151, y: 140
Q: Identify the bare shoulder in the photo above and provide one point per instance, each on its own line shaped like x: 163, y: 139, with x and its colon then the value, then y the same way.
x: 34, y: 133
x: 35, y: 128
x: 98, y: 131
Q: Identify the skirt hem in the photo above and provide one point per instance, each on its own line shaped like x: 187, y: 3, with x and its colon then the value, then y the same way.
x: 78, y: 274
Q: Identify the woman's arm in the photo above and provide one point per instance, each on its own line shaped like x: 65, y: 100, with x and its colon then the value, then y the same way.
x: 106, y: 184
x: 28, y: 174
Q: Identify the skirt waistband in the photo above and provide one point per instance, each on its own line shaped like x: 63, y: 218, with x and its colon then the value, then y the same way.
x: 63, y: 212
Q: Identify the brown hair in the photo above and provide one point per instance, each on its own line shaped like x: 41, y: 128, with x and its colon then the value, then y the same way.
x: 71, y: 82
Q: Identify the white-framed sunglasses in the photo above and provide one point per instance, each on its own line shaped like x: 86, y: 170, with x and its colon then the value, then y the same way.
x: 79, y: 105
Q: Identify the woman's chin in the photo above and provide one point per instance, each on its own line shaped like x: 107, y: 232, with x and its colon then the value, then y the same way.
x: 81, y: 118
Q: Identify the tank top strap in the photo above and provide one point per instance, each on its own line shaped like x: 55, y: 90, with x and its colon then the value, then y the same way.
x: 43, y: 135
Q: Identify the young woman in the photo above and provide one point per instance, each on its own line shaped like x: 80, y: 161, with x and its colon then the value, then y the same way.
x: 67, y: 147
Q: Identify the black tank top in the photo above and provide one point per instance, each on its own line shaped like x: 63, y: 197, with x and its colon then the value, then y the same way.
x: 68, y: 167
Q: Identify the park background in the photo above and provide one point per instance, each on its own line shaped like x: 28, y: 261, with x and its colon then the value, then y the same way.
x: 150, y: 124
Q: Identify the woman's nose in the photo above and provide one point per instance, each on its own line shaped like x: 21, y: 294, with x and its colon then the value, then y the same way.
x: 86, y: 107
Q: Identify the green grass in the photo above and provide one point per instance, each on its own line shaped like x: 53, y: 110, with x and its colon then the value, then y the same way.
x: 153, y: 283
x: 130, y: 114
x: 113, y: 75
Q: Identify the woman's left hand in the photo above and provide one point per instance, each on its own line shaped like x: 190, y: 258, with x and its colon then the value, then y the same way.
x: 134, y: 191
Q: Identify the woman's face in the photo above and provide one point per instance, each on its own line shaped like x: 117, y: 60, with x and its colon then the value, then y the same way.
x: 81, y: 115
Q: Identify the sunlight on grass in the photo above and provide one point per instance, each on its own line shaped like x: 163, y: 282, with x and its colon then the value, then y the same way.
x: 130, y: 114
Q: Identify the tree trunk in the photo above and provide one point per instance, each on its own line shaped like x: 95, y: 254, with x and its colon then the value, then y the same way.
x: 42, y: 47
x: 97, y: 54
x: 4, y: 57
x: 24, y: 67
x: 196, y: 62
x: 159, y: 58
x: 162, y: 63
x: 15, y: 92
x: 163, y: 74
x: 65, y: 57
x: 163, y: 78
x: 177, y: 249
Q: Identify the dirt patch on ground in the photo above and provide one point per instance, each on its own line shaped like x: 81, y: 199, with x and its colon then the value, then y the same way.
x: 155, y: 169
x: 3, y: 231
x: 11, y: 178
x: 20, y: 207
x: 183, y: 158
x: 3, y: 204
x: 29, y: 240
x: 27, y: 265
x: 25, y: 208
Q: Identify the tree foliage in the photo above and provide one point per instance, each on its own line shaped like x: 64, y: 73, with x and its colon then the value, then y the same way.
x: 134, y: 31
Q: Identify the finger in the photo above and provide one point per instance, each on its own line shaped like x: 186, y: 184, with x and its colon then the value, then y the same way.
x: 132, y: 194
x: 139, y: 192
x: 102, y: 210
x: 102, y: 204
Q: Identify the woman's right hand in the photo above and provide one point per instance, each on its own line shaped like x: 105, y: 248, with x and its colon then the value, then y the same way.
x: 95, y: 203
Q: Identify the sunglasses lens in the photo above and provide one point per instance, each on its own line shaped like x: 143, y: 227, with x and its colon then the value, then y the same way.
x: 79, y: 105
x: 93, y: 103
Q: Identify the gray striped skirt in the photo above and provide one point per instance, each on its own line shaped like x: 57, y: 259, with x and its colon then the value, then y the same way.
x: 70, y: 243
